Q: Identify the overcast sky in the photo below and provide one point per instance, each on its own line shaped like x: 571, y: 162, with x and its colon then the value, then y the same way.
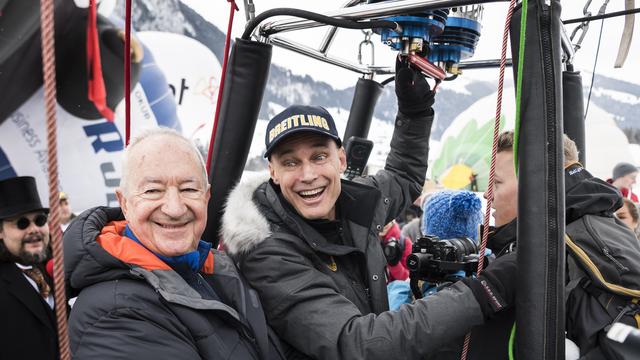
x: 346, y: 44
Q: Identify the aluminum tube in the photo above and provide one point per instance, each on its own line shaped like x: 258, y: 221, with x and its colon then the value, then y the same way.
x: 466, y: 65
x: 369, y: 11
x: 331, y: 33
x: 367, y: 70
x: 482, y: 64
x: 567, y: 47
x: 315, y: 54
x: 249, y: 10
x: 328, y: 39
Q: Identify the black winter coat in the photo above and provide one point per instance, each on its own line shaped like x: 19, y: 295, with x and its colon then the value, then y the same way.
x: 325, y: 311
x: 584, y: 194
x: 131, y: 305
x: 27, y: 323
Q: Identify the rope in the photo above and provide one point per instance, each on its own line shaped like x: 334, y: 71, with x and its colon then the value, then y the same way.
x: 225, y: 61
x: 593, y: 73
x: 494, y: 151
x: 516, y: 133
x: 49, y: 71
x: 127, y: 73
x: 387, y: 80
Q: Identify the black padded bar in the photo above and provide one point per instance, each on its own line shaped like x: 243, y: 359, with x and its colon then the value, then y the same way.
x: 246, y: 79
x: 540, y: 277
x: 573, y: 111
x: 364, y: 102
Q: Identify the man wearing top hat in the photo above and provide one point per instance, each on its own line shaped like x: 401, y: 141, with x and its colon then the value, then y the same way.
x: 27, y: 318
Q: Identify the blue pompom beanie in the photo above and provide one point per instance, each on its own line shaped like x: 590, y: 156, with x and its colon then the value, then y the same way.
x: 452, y: 214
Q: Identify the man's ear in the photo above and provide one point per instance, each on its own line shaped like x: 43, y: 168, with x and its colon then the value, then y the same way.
x: 207, y: 194
x: 272, y: 173
x: 342, y: 155
x: 122, y: 200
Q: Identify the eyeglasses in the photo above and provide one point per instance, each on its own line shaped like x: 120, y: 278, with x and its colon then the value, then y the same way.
x: 24, y: 222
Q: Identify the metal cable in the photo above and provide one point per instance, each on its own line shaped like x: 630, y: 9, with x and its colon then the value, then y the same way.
x: 494, y: 151
x: 601, y: 16
x: 593, y: 71
x: 49, y: 71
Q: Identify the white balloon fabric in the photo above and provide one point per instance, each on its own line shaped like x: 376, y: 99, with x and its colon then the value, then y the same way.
x: 89, y: 151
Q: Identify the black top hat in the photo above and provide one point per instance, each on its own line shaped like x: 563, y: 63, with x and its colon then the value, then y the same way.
x: 19, y: 195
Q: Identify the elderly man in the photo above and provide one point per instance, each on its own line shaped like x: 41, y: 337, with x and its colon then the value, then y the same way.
x: 27, y: 319
x: 148, y: 287
x: 308, y: 242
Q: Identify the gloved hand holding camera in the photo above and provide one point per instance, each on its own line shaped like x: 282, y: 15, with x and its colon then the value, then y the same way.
x: 494, y: 289
x: 414, y: 94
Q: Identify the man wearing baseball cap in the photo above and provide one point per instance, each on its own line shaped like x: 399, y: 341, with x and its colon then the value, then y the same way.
x: 28, y: 326
x: 307, y: 241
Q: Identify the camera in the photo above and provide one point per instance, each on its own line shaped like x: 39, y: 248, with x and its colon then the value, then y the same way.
x: 441, y: 261
x: 358, y: 151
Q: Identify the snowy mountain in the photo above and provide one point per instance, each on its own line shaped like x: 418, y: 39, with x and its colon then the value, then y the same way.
x: 620, y: 99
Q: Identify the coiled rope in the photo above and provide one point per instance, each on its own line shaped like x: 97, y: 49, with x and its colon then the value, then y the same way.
x: 49, y: 71
x: 494, y: 151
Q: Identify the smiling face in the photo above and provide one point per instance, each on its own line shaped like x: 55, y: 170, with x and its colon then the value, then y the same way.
x: 30, y: 245
x: 307, y: 167
x: 505, y: 190
x: 165, y: 197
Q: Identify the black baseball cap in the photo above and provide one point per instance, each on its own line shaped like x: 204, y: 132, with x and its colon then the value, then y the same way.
x: 299, y: 118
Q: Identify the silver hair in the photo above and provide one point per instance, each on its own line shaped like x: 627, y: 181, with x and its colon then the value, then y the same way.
x: 152, y: 133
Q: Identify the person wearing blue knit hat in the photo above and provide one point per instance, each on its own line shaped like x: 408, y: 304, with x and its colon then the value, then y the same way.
x: 446, y: 214
x: 452, y: 214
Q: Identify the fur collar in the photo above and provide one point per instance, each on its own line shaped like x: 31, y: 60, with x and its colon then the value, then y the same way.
x: 243, y: 226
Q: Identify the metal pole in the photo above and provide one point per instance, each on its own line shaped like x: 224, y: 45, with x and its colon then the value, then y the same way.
x: 567, y: 47
x: 482, y: 64
x: 331, y: 32
x: 328, y: 39
x: 249, y: 10
x: 369, y: 11
x: 315, y: 54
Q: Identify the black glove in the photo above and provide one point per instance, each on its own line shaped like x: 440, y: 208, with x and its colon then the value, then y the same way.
x: 415, y: 97
x: 494, y: 289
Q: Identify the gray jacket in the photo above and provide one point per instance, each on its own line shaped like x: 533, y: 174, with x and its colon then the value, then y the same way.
x: 131, y: 305
x: 324, y: 311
